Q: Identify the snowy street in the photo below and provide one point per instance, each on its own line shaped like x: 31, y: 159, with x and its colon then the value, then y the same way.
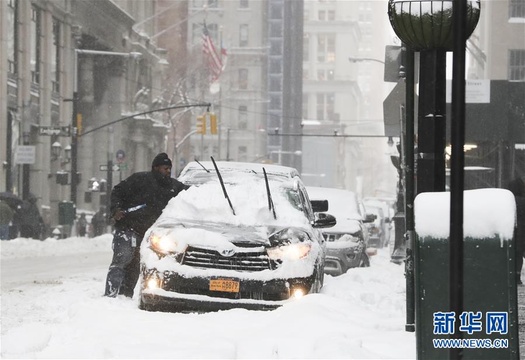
x: 52, y: 307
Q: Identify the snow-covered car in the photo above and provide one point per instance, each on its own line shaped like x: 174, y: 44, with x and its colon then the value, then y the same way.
x: 376, y: 228
x: 240, y: 239
x: 348, y: 241
x: 380, y: 228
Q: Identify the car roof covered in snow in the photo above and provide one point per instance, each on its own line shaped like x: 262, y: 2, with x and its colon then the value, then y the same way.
x: 341, y: 203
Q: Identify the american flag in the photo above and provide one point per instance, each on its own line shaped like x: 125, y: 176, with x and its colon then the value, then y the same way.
x: 216, y: 61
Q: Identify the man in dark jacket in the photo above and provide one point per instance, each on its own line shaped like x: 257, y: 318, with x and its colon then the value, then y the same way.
x: 136, y: 203
x: 517, y: 187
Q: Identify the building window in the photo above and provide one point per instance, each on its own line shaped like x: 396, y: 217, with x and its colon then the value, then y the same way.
x: 275, y: 102
x: 324, y: 74
x: 516, y: 65
x: 55, y: 57
x: 35, y: 32
x: 325, y: 106
x: 517, y: 8
x: 276, y: 66
x: 326, y: 48
x: 276, y: 30
x: 275, y: 83
x: 243, y: 35
x: 11, y: 36
x: 243, y: 117
x: 276, y: 48
x: 243, y: 79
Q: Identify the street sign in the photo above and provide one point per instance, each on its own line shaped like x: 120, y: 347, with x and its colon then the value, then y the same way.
x: 476, y: 91
x: 25, y: 154
x: 116, y: 167
x: 54, y: 130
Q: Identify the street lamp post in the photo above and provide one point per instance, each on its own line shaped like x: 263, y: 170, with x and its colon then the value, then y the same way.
x: 430, y: 27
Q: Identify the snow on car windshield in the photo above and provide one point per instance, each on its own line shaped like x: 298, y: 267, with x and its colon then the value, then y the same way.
x: 206, y: 202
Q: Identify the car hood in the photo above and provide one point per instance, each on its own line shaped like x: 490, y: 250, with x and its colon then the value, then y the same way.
x: 217, y: 234
x: 225, y: 238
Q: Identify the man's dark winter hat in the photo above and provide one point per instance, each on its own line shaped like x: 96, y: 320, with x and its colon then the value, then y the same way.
x: 161, y: 159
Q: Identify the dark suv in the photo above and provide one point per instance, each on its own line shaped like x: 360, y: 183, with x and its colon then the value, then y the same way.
x: 241, y: 239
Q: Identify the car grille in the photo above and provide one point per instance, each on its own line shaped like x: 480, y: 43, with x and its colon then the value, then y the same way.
x: 241, y: 261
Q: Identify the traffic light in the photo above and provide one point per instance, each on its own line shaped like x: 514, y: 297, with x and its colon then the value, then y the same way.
x: 213, y: 123
x: 201, y: 124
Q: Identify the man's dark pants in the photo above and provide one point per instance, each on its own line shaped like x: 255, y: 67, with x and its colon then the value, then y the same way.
x: 124, y: 270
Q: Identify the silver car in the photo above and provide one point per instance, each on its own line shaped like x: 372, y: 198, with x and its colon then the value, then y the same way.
x: 347, y: 243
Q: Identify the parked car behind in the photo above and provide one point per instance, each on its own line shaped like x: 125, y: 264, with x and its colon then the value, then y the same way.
x: 348, y: 241
x: 380, y: 228
x: 240, y: 242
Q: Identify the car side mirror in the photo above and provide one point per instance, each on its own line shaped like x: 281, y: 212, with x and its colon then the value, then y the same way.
x: 319, y: 206
x: 370, y: 218
x: 323, y: 220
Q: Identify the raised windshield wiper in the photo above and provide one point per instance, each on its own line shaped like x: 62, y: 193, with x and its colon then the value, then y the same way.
x: 271, y: 206
x: 202, y: 166
x: 222, y: 184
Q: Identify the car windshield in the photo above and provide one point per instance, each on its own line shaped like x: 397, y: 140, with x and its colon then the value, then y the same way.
x: 206, y: 202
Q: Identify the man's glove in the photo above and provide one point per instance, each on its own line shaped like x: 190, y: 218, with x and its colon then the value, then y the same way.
x: 119, y: 214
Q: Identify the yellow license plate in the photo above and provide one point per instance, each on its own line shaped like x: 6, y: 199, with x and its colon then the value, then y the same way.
x: 225, y: 285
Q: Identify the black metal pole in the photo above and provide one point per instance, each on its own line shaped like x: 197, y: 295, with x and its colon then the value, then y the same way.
x: 25, y: 184
x: 109, y: 186
x: 457, y: 167
x: 431, y: 122
x: 9, y: 154
x: 409, y: 191
x: 26, y: 174
x: 74, y: 150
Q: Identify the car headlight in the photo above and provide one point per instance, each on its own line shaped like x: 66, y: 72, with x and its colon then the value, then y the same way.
x: 164, y: 243
x: 289, y: 243
x: 288, y: 236
x: 290, y: 252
